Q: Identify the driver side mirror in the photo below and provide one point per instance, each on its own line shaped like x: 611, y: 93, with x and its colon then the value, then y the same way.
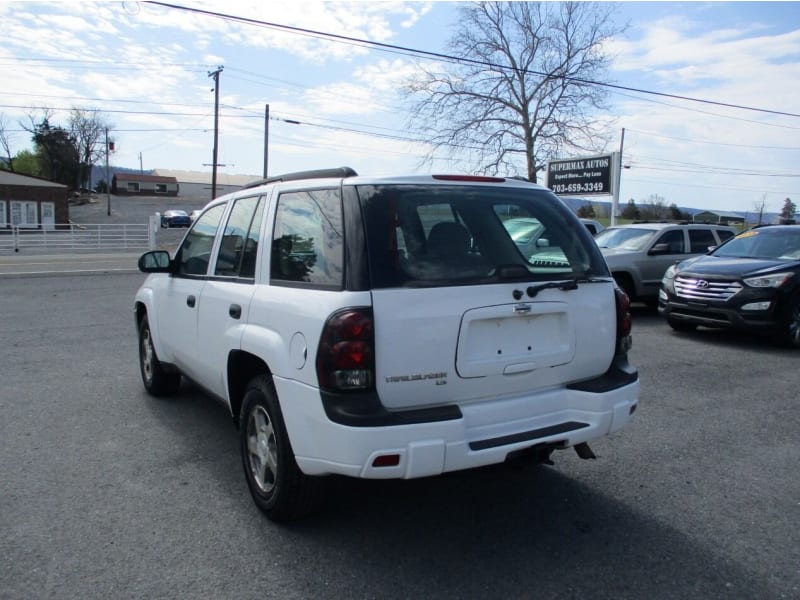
x: 156, y: 261
x: 659, y: 249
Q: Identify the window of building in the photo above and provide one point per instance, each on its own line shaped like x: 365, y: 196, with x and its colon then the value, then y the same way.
x: 3, y: 216
x: 133, y: 186
x: 161, y: 188
x: 23, y: 214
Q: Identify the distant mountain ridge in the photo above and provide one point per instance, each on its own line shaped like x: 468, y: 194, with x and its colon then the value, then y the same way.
x: 99, y: 173
x: 750, y: 216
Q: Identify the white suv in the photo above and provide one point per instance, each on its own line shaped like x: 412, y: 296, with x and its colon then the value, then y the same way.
x: 388, y: 328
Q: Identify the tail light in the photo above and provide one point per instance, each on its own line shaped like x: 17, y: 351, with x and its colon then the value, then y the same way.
x: 346, y: 353
x: 624, y: 321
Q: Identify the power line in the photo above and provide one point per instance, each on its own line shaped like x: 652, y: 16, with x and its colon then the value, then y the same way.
x: 684, y: 184
x: 455, y: 59
x: 669, y: 137
x: 706, y: 112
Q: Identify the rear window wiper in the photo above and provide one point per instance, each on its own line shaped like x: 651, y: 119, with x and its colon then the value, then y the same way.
x: 564, y: 286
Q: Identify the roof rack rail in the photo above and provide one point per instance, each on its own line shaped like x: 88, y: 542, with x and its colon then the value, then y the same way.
x: 336, y: 172
x: 670, y: 221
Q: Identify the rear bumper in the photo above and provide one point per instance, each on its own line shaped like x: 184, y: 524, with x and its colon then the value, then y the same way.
x: 484, y: 433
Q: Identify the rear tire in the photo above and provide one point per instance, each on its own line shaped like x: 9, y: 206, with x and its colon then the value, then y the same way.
x: 157, y: 381
x: 276, y: 483
x: 681, y: 325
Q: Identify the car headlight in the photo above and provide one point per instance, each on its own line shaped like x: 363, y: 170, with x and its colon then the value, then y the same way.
x: 768, y: 281
x: 669, y: 273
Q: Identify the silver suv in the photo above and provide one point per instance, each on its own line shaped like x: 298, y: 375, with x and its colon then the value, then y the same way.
x: 389, y: 327
x: 638, y: 254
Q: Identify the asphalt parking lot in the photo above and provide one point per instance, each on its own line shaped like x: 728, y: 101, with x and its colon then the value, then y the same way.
x: 108, y: 492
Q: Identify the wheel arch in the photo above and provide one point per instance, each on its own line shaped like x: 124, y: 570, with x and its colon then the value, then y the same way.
x: 626, y: 281
x: 242, y: 367
x: 143, y: 307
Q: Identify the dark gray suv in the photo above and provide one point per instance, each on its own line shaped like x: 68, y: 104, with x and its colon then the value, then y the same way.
x: 638, y: 254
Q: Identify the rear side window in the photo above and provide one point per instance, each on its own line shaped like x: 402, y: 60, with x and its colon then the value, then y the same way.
x: 432, y: 235
x: 700, y: 240
x: 724, y: 234
x: 307, y: 241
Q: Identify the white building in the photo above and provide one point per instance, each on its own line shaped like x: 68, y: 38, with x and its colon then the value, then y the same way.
x: 197, y: 184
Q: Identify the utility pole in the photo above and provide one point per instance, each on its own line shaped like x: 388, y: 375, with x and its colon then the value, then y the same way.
x: 108, y: 181
x: 141, y: 168
x: 215, y: 75
x: 266, y: 140
x: 615, y: 197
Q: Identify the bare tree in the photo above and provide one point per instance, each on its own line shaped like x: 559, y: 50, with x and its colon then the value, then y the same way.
x: 760, y: 206
x: 88, y: 130
x: 655, y: 208
x: 525, y: 89
x: 5, y: 143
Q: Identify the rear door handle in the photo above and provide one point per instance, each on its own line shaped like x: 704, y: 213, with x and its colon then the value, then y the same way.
x: 191, y: 301
x: 235, y: 311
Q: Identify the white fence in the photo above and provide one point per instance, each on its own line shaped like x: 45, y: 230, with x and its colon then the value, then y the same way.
x: 74, y: 238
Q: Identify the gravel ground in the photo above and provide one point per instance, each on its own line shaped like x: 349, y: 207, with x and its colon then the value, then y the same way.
x: 130, y: 209
x: 136, y: 209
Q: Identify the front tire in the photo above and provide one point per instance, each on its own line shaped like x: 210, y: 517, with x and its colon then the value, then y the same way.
x: 157, y: 381
x: 789, y: 333
x: 625, y: 283
x: 276, y: 483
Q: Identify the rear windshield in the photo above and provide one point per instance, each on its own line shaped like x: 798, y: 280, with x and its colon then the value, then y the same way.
x: 422, y: 235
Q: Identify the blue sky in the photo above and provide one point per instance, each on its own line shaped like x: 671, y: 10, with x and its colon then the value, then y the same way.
x: 136, y: 60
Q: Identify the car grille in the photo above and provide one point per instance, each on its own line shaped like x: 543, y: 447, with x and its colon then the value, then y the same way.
x: 705, y: 289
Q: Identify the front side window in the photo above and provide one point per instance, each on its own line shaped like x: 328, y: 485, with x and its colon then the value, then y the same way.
x: 422, y: 235
x: 307, y: 241
x: 239, y: 245
x: 195, y: 252
x: 673, y: 240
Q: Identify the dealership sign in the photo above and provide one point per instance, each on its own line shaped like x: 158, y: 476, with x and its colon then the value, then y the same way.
x: 583, y: 176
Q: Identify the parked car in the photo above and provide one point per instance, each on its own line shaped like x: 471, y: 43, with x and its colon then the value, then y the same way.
x: 388, y: 328
x: 175, y: 218
x: 638, y: 254
x: 593, y: 226
x: 751, y: 283
x: 526, y: 233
